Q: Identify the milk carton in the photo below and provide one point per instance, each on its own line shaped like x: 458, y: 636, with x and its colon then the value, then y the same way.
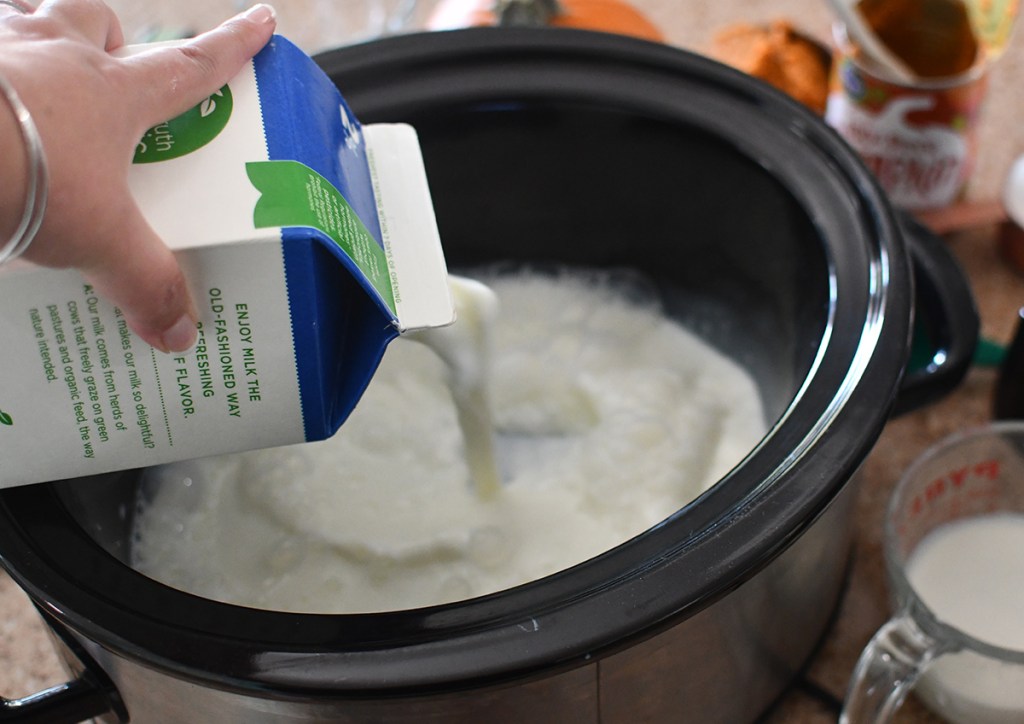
x: 309, y: 242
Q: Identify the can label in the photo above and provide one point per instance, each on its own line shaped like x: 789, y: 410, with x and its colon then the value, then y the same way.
x: 920, y: 141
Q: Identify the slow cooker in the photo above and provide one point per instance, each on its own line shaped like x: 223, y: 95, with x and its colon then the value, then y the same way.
x: 762, y: 231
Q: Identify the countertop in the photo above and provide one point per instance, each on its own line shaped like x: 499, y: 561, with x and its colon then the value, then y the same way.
x: 27, y: 663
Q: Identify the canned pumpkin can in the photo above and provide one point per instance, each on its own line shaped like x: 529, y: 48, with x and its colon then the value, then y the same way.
x: 919, y: 139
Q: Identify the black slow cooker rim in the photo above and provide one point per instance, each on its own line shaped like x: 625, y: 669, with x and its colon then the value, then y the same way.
x: 568, y: 618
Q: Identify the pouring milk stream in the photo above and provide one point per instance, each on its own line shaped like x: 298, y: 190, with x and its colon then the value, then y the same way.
x: 466, y: 348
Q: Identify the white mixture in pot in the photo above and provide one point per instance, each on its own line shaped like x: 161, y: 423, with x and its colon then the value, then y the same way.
x: 609, y: 417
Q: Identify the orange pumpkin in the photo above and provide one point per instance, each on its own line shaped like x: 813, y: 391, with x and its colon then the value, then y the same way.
x: 610, y: 16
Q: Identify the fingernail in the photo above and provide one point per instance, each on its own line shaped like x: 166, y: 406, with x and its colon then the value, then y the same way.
x: 261, y: 14
x: 180, y: 336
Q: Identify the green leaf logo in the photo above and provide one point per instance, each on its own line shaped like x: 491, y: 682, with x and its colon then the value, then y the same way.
x: 6, y: 419
x: 189, y: 132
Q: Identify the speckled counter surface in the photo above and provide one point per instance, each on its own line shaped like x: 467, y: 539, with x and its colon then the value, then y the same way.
x: 27, y: 663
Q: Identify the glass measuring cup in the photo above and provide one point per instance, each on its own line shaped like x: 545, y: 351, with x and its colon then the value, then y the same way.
x: 969, y: 481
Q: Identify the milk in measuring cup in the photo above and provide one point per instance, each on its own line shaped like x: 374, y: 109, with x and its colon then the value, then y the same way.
x: 309, y: 242
x: 970, y: 573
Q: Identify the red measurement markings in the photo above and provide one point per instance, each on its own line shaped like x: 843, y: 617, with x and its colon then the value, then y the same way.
x: 954, y: 481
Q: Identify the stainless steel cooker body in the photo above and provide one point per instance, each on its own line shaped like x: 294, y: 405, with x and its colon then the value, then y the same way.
x: 760, y: 229
x: 725, y: 664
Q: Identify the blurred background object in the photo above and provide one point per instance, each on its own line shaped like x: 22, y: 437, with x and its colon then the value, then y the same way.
x: 612, y: 16
x: 780, y: 55
x: 314, y: 25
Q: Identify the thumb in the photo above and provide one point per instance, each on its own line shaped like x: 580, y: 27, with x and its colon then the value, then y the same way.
x: 199, y: 66
x: 141, y: 276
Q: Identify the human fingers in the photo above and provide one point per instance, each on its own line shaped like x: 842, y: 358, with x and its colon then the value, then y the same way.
x: 197, y: 68
x: 91, y: 19
x: 141, y: 276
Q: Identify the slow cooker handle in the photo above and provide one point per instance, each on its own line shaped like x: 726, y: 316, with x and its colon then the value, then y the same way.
x: 70, y: 703
x: 946, y: 319
x: 90, y: 695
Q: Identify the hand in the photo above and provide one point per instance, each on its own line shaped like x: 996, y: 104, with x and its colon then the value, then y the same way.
x: 91, y: 109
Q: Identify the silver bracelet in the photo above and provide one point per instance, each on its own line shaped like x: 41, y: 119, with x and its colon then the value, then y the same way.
x: 37, y: 187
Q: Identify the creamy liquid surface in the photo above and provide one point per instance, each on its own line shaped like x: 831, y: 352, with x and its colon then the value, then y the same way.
x: 609, y: 417
x: 970, y: 573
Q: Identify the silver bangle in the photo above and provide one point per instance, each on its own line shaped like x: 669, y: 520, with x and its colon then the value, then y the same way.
x: 37, y: 187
